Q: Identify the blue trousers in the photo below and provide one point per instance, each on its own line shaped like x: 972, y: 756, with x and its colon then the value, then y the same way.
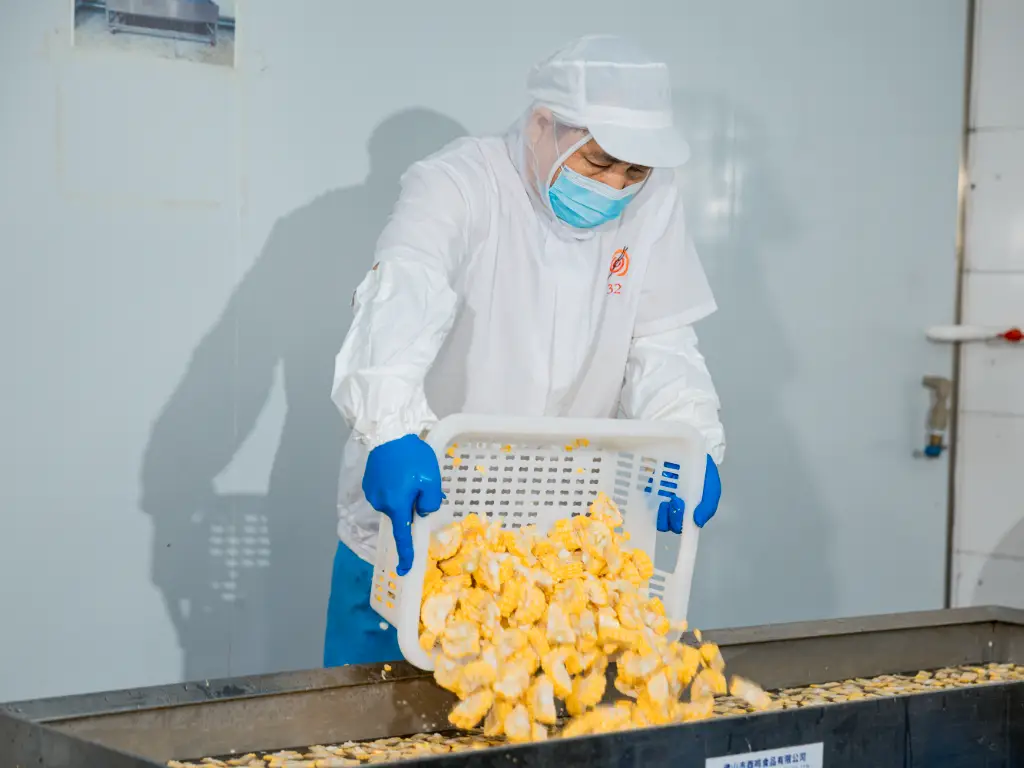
x: 354, y: 635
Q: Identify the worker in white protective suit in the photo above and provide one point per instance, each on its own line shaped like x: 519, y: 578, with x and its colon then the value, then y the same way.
x: 549, y: 272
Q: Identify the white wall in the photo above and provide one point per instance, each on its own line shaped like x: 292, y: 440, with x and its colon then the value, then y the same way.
x: 989, y: 531
x: 179, y: 244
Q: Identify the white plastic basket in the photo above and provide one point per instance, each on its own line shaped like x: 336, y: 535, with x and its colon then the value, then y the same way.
x: 519, y: 470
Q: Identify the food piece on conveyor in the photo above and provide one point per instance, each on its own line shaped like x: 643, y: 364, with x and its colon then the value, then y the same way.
x: 749, y: 693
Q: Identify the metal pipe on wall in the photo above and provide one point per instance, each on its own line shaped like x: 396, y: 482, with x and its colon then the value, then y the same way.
x: 963, y: 188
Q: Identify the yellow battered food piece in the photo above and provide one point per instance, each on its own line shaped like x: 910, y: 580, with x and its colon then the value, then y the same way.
x: 516, y: 621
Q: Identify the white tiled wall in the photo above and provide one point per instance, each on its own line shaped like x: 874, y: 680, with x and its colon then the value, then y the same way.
x: 989, y: 533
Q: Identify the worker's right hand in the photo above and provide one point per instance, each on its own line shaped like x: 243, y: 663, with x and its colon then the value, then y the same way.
x: 403, y: 475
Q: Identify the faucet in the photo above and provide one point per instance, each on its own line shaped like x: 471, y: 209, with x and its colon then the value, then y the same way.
x: 938, y: 414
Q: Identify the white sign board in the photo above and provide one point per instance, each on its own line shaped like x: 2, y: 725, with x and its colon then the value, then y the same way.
x: 803, y: 756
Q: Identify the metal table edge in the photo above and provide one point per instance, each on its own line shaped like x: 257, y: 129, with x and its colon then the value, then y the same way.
x: 70, y: 707
x: 22, y: 739
x: 890, y: 622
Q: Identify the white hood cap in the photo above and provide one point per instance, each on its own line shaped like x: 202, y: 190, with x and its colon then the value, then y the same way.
x: 617, y: 92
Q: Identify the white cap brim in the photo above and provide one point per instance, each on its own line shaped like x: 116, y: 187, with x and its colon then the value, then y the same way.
x: 653, y: 147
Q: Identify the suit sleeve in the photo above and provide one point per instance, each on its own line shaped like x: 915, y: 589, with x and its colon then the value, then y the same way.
x: 404, y: 309
x: 666, y: 376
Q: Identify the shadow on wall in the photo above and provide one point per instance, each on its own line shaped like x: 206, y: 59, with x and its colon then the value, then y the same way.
x: 246, y: 578
x: 765, y: 557
x: 999, y: 582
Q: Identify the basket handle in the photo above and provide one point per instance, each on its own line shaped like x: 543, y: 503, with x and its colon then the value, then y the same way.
x: 677, y: 590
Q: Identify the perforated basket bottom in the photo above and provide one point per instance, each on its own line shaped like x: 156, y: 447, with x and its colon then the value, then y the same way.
x: 525, y: 485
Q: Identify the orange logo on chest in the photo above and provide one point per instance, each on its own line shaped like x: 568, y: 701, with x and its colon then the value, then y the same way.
x: 620, y: 263
x: 618, y: 270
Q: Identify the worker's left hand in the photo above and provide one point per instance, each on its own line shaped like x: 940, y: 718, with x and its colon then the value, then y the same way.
x: 402, y: 476
x: 670, y: 513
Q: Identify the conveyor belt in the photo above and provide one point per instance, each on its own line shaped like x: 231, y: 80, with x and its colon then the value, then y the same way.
x: 981, y: 725
x: 405, y: 748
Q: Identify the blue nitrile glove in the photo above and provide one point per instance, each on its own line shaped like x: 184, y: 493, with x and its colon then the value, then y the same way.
x: 402, y: 475
x: 670, y: 513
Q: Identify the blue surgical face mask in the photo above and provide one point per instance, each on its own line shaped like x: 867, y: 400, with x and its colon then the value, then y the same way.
x: 585, y: 203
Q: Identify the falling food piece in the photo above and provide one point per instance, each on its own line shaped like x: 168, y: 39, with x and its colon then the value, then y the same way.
x: 712, y: 656
x: 518, y: 725
x: 461, y: 639
x: 541, y: 701
x: 435, y: 611
x: 494, y: 723
x: 709, y: 682
x: 559, y: 629
x: 481, y: 468
x: 586, y: 692
x: 749, y: 692
x: 513, y: 681
x: 470, y: 711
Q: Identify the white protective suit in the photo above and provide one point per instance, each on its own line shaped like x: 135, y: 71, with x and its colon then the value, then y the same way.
x: 482, y: 301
